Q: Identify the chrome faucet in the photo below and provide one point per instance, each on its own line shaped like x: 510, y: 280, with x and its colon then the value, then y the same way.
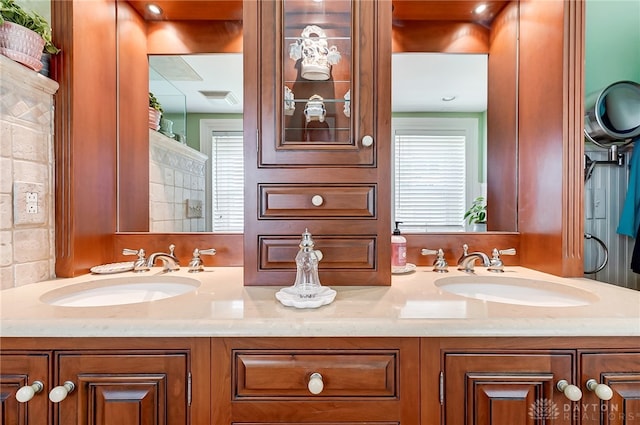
x: 468, y: 259
x: 170, y: 262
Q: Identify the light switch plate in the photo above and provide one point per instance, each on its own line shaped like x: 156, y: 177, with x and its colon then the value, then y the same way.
x: 29, y: 207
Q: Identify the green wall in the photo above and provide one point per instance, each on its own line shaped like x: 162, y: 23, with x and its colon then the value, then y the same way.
x: 612, y: 50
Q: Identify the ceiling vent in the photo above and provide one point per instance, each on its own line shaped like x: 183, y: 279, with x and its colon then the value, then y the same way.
x: 215, y: 96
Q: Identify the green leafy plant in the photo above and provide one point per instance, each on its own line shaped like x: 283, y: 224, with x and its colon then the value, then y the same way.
x: 477, y: 214
x: 153, y: 103
x: 12, y: 12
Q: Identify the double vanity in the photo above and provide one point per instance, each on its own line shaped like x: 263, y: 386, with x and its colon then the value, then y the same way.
x: 200, y: 348
x: 518, y: 302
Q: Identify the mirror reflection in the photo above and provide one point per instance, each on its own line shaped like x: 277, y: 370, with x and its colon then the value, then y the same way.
x: 439, y: 104
x: 445, y: 98
x: 195, y: 154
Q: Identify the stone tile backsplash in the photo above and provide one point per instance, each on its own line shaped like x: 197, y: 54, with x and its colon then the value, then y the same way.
x: 27, y: 247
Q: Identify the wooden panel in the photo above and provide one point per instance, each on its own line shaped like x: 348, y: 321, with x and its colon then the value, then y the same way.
x: 403, y: 408
x: 445, y: 10
x: 621, y: 372
x: 133, y: 105
x: 190, y: 37
x: 439, y: 37
x: 295, y: 201
x: 187, y: 10
x: 16, y: 371
x: 279, y: 252
x: 150, y: 388
x: 497, y: 389
x: 141, y: 400
x: 285, y: 375
x: 550, y: 177
x: 502, y: 119
x: 451, y: 243
x: 228, y: 246
x: 85, y: 133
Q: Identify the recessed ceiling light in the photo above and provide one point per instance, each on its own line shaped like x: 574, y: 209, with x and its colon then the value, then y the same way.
x: 448, y: 98
x: 154, y: 8
x: 480, y: 8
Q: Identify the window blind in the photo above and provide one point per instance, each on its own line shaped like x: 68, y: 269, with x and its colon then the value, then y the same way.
x: 429, y: 179
x: 227, y: 175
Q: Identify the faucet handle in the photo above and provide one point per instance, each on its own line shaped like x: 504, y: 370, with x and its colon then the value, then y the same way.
x: 172, y: 249
x: 140, y: 265
x: 510, y: 251
x: 440, y: 265
x: 195, y: 265
x: 496, y: 265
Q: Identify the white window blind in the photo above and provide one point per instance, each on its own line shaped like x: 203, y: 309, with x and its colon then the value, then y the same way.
x: 429, y: 179
x: 227, y: 175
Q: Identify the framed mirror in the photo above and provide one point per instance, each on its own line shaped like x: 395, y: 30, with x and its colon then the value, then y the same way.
x: 454, y: 123
x: 444, y: 30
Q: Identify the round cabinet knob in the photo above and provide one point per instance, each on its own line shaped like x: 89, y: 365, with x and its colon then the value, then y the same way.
x: 27, y: 392
x: 315, y: 384
x: 367, y: 141
x: 602, y: 391
x: 317, y: 200
x: 59, y: 393
x: 571, y: 392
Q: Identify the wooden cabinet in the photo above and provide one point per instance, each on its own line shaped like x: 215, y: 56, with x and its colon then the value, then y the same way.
x: 135, y: 385
x: 127, y: 387
x: 506, y: 388
x: 520, y: 386
x: 620, y: 371
x: 19, y: 369
x: 348, y: 380
x: 316, y: 380
x: 321, y: 156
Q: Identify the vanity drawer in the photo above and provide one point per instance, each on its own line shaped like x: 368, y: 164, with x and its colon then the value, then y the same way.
x: 317, y: 201
x: 352, y: 252
x: 286, y: 374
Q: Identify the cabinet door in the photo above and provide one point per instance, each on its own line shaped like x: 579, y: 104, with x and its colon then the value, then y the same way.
x: 500, y: 389
x: 16, y: 371
x: 621, y: 373
x: 316, y: 83
x: 124, y: 388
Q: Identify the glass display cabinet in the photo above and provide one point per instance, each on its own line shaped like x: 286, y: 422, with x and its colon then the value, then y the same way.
x: 317, y: 99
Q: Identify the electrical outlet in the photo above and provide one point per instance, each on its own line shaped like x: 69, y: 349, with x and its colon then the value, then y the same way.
x: 29, y: 203
x: 32, y: 197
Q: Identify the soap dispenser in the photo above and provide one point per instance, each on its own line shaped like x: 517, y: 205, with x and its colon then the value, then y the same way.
x: 398, y: 250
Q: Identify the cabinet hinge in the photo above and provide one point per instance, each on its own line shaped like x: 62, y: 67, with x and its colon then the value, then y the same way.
x: 441, y: 388
x: 189, y: 389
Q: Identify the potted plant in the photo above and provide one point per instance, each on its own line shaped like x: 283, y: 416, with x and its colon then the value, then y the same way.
x: 24, y: 36
x: 476, y: 215
x: 155, y: 112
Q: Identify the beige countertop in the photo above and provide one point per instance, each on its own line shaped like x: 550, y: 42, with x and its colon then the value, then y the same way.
x: 414, y: 305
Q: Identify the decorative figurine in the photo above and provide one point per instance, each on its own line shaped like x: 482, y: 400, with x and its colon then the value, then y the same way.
x: 317, y: 57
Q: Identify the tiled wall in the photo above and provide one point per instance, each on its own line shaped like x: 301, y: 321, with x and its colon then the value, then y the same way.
x: 27, y: 242
x: 176, y: 186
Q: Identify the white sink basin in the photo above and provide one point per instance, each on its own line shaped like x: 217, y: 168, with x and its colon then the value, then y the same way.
x: 512, y: 290
x: 119, y: 291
